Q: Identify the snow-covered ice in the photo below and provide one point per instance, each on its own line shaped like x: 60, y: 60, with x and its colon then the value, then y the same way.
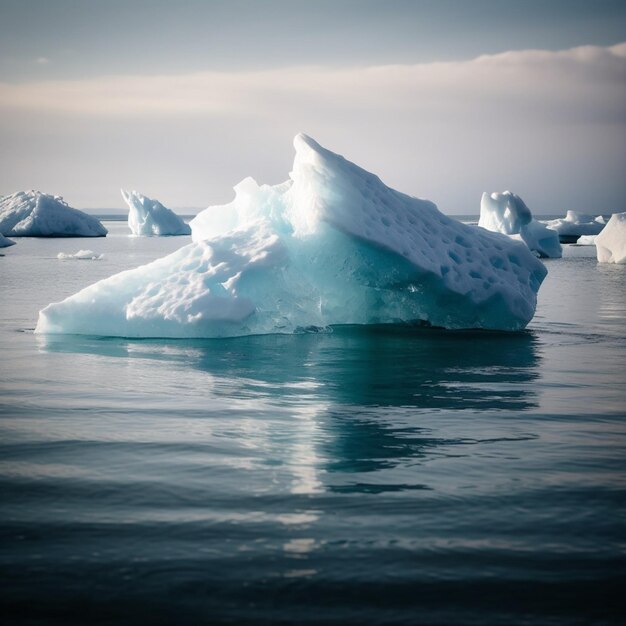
x: 611, y: 242
x: 333, y: 245
x: 149, y: 218
x: 586, y: 240
x: 575, y: 224
x: 81, y: 255
x: 4, y: 242
x: 36, y: 214
x: 508, y: 214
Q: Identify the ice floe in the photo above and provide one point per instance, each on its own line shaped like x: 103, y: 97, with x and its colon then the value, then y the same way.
x: 81, y: 255
x: 576, y: 224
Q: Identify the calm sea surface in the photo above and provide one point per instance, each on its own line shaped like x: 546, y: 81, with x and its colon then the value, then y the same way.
x: 366, y: 476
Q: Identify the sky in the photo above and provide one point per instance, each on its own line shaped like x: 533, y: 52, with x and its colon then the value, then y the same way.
x: 442, y: 99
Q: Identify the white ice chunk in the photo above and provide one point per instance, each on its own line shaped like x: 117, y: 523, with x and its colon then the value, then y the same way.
x: 611, y: 242
x: 586, y: 240
x: 504, y: 213
x: 36, y: 214
x: 149, y: 218
x: 575, y: 224
x: 81, y: 255
x: 4, y: 242
x: 508, y: 214
x: 333, y: 245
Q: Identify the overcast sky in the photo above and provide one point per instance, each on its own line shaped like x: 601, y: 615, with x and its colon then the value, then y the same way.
x: 443, y: 100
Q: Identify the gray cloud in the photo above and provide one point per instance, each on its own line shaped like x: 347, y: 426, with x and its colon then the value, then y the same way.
x: 550, y: 125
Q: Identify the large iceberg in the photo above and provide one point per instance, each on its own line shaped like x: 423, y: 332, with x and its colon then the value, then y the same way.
x: 575, y: 224
x: 332, y: 245
x: 150, y: 218
x: 4, y: 242
x: 36, y: 214
x: 611, y: 242
x: 508, y: 214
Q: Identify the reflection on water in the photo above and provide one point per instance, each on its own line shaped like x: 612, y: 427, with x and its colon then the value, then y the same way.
x: 370, y: 366
x: 341, y: 387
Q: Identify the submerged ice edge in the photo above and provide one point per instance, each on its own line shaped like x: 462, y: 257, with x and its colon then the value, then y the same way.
x: 333, y: 245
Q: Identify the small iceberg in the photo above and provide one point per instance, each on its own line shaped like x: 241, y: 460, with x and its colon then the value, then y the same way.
x: 332, y: 245
x: 571, y: 227
x: 81, y: 255
x: 586, y: 240
x: 36, y: 214
x: 611, y: 242
x: 149, y: 218
x: 508, y: 214
x: 4, y: 242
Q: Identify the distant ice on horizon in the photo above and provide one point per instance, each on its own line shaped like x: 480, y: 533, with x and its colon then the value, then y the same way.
x: 149, y: 218
x: 36, y: 214
x: 332, y: 245
x: 576, y: 224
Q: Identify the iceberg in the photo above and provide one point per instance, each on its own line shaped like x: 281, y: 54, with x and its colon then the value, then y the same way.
x: 332, y: 245
x: 149, y: 218
x: 611, y: 242
x: 574, y: 225
x: 36, y: 214
x: 586, y: 240
x: 4, y: 242
x: 508, y: 214
x: 81, y: 255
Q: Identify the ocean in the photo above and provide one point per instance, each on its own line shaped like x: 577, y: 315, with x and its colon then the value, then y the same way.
x: 370, y: 475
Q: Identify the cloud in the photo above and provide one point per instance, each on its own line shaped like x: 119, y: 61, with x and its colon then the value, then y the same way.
x: 588, y: 78
x: 550, y: 125
x: 42, y: 60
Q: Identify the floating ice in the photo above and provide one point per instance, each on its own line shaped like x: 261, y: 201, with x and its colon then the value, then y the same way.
x: 150, y: 218
x: 586, y: 240
x: 333, y: 245
x: 508, y: 214
x: 4, y: 242
x: 36, y: 214
x: 81, y: 255
x: 611, y: 242
x: 574, y: 225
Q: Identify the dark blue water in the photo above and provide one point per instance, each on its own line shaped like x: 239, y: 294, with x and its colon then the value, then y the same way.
x: 368, y: 476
